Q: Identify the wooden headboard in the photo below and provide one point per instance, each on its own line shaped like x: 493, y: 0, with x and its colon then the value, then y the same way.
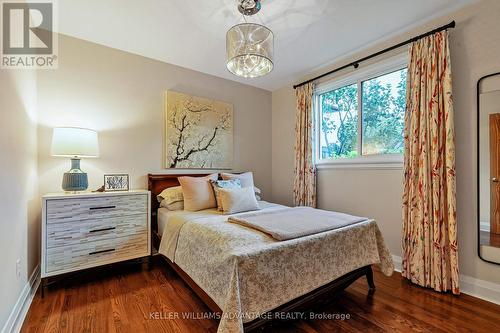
x: 156, y: 184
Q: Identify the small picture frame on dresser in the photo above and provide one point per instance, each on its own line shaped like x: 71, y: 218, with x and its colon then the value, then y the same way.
x: 116, y: 182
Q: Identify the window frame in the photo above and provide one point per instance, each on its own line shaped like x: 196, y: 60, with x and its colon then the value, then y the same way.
x: 382, y: 161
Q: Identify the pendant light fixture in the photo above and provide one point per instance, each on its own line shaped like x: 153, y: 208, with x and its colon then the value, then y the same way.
x: 249, y: 46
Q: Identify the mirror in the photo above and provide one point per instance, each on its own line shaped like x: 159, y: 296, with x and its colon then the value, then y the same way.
x: 488, y: 99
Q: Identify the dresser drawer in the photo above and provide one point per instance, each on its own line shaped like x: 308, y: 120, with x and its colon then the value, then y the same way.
x: 68, y: 210
x: 92, y: 254
x: 76, y: 232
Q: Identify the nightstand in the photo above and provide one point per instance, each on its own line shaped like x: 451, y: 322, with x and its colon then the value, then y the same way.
x: 85, y: 230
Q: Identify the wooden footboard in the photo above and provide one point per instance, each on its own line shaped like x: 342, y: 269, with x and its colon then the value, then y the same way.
x: 320, y: 295
x: 302, y: 303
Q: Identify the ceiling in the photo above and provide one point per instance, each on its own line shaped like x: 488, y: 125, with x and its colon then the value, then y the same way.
x: 191, y: 33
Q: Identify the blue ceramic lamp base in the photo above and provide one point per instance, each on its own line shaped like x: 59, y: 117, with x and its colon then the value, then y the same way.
x: 75, y: 179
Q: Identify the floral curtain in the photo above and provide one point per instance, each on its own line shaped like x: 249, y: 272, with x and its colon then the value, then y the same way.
x: 430, y: 251
x: 304, y: 184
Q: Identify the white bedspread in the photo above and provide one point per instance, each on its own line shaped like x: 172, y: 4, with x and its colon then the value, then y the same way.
x: 248, y: 273
x: 163, y: 215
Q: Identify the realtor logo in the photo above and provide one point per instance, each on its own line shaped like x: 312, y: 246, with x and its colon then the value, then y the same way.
x: 28, y: 40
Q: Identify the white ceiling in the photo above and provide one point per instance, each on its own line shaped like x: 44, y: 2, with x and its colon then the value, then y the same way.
x: 191, y: 33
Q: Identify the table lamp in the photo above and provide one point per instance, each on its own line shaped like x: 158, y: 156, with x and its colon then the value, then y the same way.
x: 74, y: 143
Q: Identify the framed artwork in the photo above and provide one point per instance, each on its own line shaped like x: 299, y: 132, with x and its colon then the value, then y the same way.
x: 116, y: 182
x: 199, y: 132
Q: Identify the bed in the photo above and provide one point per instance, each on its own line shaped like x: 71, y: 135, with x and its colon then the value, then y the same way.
x: 249, y: 278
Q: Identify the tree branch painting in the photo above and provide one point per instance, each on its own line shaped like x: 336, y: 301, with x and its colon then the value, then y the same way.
x: 199, y: 132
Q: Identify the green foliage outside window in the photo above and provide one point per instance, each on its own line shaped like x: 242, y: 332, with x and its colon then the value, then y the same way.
x: 383, y: 107
x: 339, y: 122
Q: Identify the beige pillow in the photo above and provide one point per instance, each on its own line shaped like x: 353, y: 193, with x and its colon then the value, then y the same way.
x: 178, y: 205
x: 236, y: 200
x: 170, y: 195
x: 245, y: 178
x: 198, y: 192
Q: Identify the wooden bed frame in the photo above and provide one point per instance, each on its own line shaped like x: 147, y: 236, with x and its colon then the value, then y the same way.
x: 159, y: 182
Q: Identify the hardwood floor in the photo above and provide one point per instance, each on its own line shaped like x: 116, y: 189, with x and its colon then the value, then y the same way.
x: 128, y: 299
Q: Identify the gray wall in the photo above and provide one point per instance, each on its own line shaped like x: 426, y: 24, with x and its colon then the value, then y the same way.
x: 19, y: 202
x: 121, y: 95
x: 475, y: 52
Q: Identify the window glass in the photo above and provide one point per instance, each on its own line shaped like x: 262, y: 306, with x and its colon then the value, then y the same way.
x: 339, y: 123
x: 383, y: 108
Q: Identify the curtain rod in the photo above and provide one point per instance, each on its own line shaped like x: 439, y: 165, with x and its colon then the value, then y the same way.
x: 355, y: 64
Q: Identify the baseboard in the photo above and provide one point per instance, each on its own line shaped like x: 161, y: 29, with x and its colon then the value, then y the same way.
x: 16, y: 318
x: 486, y: 290
x: 397, y: 263
x: 482, y: 289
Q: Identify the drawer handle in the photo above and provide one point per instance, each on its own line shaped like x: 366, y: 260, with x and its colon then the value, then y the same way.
x: 103, y: 251
x: 103, y: 207
x: 103, y: 229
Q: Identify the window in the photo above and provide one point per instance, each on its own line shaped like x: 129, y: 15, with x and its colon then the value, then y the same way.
x: 384, y: 103
x: 339, y: 122
x: 361, y: 119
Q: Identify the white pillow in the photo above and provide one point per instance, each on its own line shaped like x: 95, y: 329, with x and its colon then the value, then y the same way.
x: 170, y: 195
x: 246, y: 178
x: 178, y: 205
x: 198, y: 192
x: 236, y: 200
x: 218, y: 184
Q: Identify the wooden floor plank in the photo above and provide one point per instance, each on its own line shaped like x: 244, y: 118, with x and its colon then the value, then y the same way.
x: 129, y: 299
x: 466, y: 315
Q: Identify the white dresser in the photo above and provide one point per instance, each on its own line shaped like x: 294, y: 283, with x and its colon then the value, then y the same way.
x: 86, y: 230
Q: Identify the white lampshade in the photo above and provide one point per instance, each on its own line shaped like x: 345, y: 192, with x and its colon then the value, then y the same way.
x: 69, y: 141
x: 249, y: 50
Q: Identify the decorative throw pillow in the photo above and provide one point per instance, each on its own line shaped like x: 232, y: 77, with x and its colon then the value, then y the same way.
x: 178, y: 205
x: 257, y: 193
x: 170, y: 195
x: 246, y: 178
x: 198, y: 192
x: 236, y: 200
x: 218, y: 184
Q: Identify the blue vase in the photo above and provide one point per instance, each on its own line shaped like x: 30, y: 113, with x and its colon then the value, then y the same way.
x: 75, y: 179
